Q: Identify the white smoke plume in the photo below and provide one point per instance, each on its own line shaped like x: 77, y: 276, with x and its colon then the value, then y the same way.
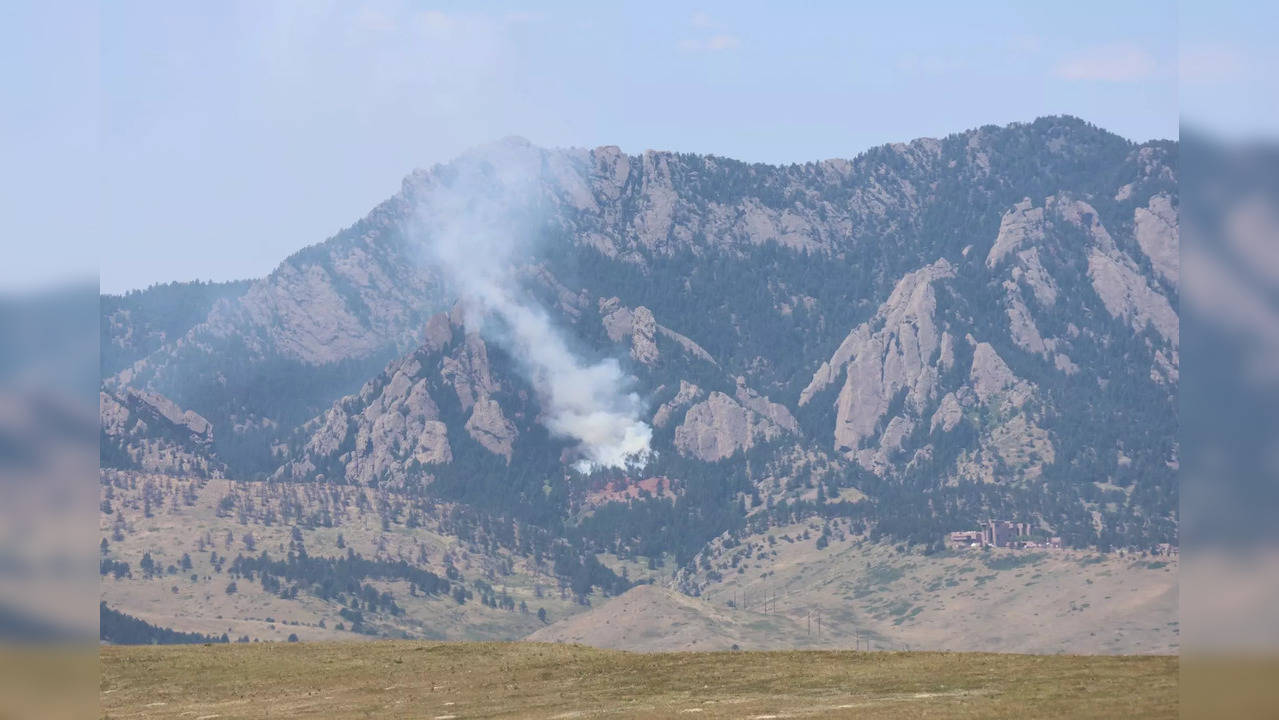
x: 477, y: 222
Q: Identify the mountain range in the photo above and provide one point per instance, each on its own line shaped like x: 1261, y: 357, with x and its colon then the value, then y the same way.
x: 901, y: 344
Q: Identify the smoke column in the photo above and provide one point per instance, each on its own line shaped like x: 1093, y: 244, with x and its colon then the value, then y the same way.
x: 477, y: 220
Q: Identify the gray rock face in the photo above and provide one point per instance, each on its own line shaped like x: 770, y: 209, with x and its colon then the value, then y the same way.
x: 1022, y: 226
x: 491, y: 429
x: 377, y: 435
x: 641, y: 327
x: 392, y: 430
x: 775, y: 413
x: 720, y: 426
x: 1115, y: 276
x: 892, y: 365
x: 1016, y: 254
x: 438, y: 334
x: 688, y: 392
x: 1128, y: 296
x: 627, y: 207
x: 149, y: 432
x: 617, y: 319
x: 715, y: 428
x: 948, y: 414
x: 359, y: 300
x: 1027, y: 232
x: 138, y: 323
x: 353, y: 300
x: 688, y: 345
x: 1014, y: 435
x: 643, y: 334
x: 1156, y: 229
x: 991, y: 379
x: 468, y: 371
x: 892, y: 352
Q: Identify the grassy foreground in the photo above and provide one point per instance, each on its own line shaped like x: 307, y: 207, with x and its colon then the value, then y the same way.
x: 404, y: 679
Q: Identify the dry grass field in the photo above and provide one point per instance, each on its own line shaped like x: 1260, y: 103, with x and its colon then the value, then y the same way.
x: 1016, y: 601
x: 442, y: 681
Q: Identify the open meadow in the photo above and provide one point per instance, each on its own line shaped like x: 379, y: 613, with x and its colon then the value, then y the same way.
x: 445, y: 681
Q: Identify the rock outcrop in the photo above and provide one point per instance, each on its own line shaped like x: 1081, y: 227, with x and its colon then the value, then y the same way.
x: 721, y: 426
x: 1029, y: 235
x: 948, y: 414
x: 643, y: 336
x: 1156, y: 229
x: 393, y: 430
x: 641, y: 328
x: 490, y: 428
x: 388, y: 430
x: 1011, y: 434
x: 775, y: 413
x: 639, y: 325
x: 149, y: 432
x: 687, y: 393
x: 900, y: 350
x: 1127, y: 296
x: 1016, y: 254
x: 1116, y: 278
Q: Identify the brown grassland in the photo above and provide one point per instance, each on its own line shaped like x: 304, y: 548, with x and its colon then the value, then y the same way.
x: 406, y: 679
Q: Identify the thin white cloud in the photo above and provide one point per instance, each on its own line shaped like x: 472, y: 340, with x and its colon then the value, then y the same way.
x: 1108, y: 63
x: 709, y: 36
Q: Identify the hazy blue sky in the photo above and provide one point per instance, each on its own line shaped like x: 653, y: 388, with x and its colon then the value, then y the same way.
x: 209, y: 140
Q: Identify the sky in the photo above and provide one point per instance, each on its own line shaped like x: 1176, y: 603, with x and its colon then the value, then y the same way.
x: 166, y: 141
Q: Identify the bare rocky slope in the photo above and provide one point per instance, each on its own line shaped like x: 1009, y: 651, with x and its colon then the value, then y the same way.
x: 932, y: 333
x: 146, y: 431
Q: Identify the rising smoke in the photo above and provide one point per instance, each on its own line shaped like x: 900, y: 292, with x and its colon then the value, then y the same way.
x: 478, y: 223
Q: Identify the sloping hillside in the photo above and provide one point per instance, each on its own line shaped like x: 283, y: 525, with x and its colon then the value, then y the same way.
x: 650, y: 618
